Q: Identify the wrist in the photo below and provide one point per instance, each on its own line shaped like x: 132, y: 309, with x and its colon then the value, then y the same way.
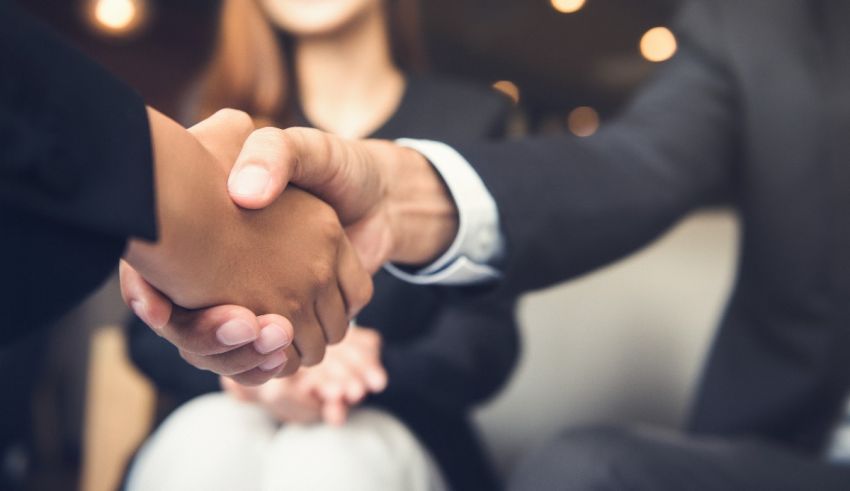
x: 422, y: 214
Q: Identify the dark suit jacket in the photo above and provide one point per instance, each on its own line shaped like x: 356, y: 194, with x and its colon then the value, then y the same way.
x: 72, y: 139
x: 444, y: 351
x: 754, y: 108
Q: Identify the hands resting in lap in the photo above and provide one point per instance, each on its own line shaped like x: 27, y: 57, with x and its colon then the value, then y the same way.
x: 350, y: 371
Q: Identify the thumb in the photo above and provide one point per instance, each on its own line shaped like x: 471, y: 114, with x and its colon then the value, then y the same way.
x: 345, y: 174
x: 263, y: 169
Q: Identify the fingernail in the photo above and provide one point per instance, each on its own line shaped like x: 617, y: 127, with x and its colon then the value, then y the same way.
x: 140, y: 309
x: 273, y: 362
x: 251, y: 180
x: 271, y: 338
x: 235, y: 332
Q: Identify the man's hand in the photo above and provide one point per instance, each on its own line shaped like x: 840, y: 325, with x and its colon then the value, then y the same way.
x: 225, y: 339
x: 392, y: 202
x: 350, y: 371
x: 291, y: 258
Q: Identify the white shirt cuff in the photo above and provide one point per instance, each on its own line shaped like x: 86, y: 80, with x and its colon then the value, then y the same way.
x: 479, y: 240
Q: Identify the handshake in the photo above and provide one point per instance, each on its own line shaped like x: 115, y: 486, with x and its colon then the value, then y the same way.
x: 251, y: 278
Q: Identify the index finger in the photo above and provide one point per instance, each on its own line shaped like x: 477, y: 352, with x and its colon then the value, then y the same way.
x: 211, y: 331
x: 149, y: 305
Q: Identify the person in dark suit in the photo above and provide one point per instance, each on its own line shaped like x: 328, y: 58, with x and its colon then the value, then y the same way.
x: 754, y: 109
x: 439, y: 355
x: 79, y: 151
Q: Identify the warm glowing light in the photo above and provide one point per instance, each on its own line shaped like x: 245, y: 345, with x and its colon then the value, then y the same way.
x: 583, y: 121
x: 117, y: 16
x: 567, y: 6
x: 658, y: 44
x: 508, y: 88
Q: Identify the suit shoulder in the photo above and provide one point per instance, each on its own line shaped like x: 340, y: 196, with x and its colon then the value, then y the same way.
x: 702, y: 25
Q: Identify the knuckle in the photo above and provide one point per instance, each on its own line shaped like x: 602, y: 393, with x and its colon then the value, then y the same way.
x: 236, y: 117
x: 293, y: 307
x: 269, y: 135
x: 323, y: 274
x: 327, y: 223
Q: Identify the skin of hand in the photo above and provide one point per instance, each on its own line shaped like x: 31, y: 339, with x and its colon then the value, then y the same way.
x: 291, y: 259
x: 351, y: 370
x: 285, y: 399
x: 394, y: 205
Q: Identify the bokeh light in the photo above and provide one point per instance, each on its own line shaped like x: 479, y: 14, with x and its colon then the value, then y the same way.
x: 117, y: 17
x: 583, y: 121
x: 568, y: 6
x: 508, y: 88
x: 658, y: 44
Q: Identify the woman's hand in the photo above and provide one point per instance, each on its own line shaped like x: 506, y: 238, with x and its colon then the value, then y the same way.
x: 285, y: 399
x: 350, y: 371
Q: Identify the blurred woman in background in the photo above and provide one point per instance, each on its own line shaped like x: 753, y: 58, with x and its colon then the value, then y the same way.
x: 388, y: 408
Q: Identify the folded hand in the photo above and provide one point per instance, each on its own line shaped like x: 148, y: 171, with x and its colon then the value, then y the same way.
x: 350, y: 371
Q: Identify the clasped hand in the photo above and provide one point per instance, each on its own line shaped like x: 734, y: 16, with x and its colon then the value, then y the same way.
x: 277, y: 284
x: 280, y: 268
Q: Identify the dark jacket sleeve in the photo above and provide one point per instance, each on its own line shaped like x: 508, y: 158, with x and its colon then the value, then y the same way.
x: 465, y: 358
x: 160, y: 361
x: 75, y: 172
x: 569, y: 205
x: 471, y: 345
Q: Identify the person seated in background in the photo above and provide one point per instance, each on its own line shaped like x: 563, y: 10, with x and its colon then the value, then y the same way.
x: 755, y: 108
x: 395, y: 394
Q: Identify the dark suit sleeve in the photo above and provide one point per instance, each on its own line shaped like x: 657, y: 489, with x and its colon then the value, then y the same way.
x: 160, y: 361
x: 465, y: 358
x: 570, y: 205
x: 471, y: 345
x: 75, y: 172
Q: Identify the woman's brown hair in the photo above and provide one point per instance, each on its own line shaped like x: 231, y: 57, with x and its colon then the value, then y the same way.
x: 249, y: 68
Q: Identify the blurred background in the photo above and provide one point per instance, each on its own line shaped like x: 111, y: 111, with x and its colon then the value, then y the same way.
x: 553, y: 56
x: 621, y: 345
